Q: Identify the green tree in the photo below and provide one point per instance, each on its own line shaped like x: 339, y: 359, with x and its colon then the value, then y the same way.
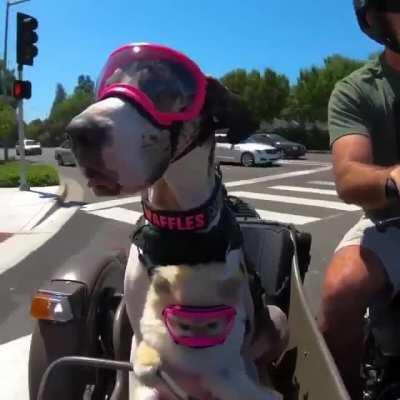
x: 8, y: 126
x: 85, y: 84
x: 265, y: 93
x: 6, y: 80
x: 35, y: 129
x: 60, y: 96
x: 65, y: 110
x: 310, y: 96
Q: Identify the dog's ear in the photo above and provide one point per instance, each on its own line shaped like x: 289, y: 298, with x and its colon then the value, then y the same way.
x: 228, y: 111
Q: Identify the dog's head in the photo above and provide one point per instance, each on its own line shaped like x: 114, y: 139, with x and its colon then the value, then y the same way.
x: 120, y: 145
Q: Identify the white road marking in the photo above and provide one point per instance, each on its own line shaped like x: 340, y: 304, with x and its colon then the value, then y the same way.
x: 118, y: 214
x: 277, y: 176
x: 303, y: 162
x: 322, y: 183
x: 286, y: 218
x: 14, y: 357
x: 111, y: 203
x: 304, y: 190
x: 297, y: 200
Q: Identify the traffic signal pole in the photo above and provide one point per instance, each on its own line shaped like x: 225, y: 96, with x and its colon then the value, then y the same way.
x: 23, y: 182
x: 26, y: 52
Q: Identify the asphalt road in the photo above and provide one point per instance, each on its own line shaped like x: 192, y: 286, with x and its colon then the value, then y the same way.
x: 303, y: 199
x: 298, y: 191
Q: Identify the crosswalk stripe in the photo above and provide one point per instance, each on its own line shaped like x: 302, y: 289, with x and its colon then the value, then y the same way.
x: 111, y: 203
x: 118, y: 214
x: 302, y: 162
x: 304, y: 190
x: 277, y: 176
x: 322, y: 183
x: 286, y: 218
x: 14, y: 368
x: 297, y: 200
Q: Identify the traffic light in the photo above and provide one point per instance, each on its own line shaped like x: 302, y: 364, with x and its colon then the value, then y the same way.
x: 22, y: 89
x: 26, y: 39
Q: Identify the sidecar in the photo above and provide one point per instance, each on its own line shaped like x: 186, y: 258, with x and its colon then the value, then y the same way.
x: 82, y: 330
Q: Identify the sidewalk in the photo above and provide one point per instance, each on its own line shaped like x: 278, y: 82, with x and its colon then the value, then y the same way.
x: 21, y: 211
x: 28, y: 219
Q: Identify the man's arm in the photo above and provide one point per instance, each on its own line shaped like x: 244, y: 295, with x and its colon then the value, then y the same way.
x: 358, y: 181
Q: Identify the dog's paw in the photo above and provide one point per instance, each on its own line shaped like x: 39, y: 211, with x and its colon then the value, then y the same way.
x: 147, y: 364
x: 147, y: 374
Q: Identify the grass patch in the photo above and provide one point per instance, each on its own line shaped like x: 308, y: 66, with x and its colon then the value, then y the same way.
x: 37, y: 174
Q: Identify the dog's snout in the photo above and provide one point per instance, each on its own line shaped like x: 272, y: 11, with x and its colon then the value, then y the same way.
x: 87, y: 131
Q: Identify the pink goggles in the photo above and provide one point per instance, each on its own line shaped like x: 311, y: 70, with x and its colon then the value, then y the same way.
x: 165, y: 83
x: 199, y: 327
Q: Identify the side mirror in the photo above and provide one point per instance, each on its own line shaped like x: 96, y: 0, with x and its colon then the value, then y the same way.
x: 232, y: 146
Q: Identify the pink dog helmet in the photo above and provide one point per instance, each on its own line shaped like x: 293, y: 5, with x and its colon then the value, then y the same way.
x: 165, y: 83
x: 182, y: 323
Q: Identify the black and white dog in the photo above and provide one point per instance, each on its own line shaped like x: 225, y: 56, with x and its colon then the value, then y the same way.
x: 121, y: 150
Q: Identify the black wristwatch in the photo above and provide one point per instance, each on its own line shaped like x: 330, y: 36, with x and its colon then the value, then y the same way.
x: 391, y: 189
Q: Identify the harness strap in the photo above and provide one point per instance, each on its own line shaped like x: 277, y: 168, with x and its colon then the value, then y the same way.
x: 160, y: 247
x: 195, y: 219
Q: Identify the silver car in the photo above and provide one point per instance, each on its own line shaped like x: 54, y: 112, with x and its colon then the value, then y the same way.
x: 63, y: 154
x: 249, y: 152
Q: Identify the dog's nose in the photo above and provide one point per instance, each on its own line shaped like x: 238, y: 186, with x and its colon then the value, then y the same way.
x: 87, y: 131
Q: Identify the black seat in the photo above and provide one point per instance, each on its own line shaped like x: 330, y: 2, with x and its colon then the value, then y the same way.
x: 269, y: 249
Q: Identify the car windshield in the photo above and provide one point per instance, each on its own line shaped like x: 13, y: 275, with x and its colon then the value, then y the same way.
x: 253, y: 139
x: 277, y: 138
x: 31, y: 142
x: 256, y: 139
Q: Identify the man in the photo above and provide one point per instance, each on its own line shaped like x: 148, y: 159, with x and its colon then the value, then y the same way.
x: 364, y: 125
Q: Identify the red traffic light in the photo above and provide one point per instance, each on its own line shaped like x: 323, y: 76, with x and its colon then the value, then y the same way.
x: 22, y: 89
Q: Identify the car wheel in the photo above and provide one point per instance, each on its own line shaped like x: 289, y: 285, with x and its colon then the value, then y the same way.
x: 247, y: 160
x: 17, y: 153
x: 59, y: 160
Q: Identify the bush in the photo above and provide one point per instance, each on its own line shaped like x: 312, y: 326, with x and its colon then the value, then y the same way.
x: 37, y: 174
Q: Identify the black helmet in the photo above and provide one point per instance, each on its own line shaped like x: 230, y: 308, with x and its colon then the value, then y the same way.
x: 379, y: 32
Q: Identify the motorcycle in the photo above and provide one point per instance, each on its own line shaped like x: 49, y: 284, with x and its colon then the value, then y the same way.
x: 381, y: 357
x: 82, y: 338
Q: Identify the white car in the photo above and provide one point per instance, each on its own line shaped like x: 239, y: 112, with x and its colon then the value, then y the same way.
x: 32, y: 147
x: 249, y: 152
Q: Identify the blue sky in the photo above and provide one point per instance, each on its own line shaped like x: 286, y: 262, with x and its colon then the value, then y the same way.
x: 76, y: 36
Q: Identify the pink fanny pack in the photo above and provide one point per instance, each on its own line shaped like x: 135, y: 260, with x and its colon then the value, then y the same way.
x: 199, y: 327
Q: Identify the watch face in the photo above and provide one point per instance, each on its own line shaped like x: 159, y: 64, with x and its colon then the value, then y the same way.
x: 391, y: 189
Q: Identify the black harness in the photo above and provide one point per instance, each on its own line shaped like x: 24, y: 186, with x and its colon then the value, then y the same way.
x: 184, y: 237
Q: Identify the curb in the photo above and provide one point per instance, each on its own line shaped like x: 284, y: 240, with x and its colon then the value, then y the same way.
x: 61, y: 195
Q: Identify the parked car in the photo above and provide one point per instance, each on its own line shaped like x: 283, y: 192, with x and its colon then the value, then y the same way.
x: 249, y: 152
x: 289, y: 148
x: 63, y: 154
x: 32, y: 147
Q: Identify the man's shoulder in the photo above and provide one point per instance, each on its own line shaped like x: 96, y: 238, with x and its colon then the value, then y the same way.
x: 362, y: 78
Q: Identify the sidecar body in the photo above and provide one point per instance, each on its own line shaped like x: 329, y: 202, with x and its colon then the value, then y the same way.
x: 92, y: 323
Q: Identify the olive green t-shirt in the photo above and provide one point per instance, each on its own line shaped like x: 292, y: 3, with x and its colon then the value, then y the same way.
x: 364, y: 103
